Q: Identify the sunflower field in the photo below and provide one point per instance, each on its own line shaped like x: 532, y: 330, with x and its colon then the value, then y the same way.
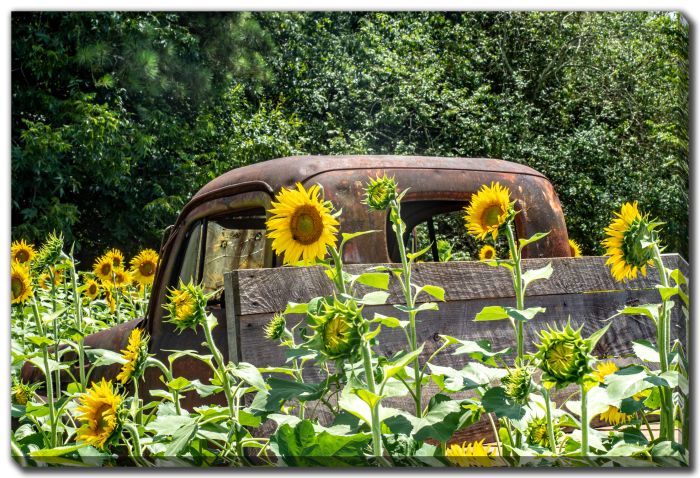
x: 263, y: 416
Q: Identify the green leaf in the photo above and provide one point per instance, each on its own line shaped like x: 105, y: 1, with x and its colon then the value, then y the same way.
x: 178, y: 384
x: 678, y: 277
x: 248, y: 373
x: 473, y: 375
x: 597, y: 335
x: 294, y: 308
x: 391, y: 322
x: 100, y: 357
x: 283, y: 390
x: 537, y: 274
x: 412, y: 256
x: 479, y: 350
x: 444, y: 418
x: 649, y: 310
x: 371, y: 399
x: 627, y: 382
x: 378, y: 280
x: 375, y: 298
x: 495, y: 400
x: 646, y: 351
x: 40, y: 341
x: 491, y: 312
x: 372, y: 333
x: 349, y: 236
x: 181, y: 439
x: 57, y: 451
x: 433, y: 290
x: 534, y: 238
x: 168, y: 425
x: 395, y: 366
x: 523, y: 315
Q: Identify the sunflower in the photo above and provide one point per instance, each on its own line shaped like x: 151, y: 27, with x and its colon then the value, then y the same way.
x: 116, y: 256
x: 20, y: 284
x: 614, y: 416
x: 301, y: 225
x: 186, y: 306
x: 143, y: 266
x: 472, y: 454
x: 336, y: 325
x: 109, y: 297
x: 92, y: 289
x: 22, y: 392
x: 380, y: 192
x: 103, y: 268
x: 22, y: 252
x: 122, y: 278
x: 574, y: 248
x: 489, y: 209
x: 538, y: 435
x: 135, y: 355
x: 276, y: 329
x: 563, y: 355
x: 99, y: 408
x: 487, y: 253
x: 603, y: 369
x: 629, y: 243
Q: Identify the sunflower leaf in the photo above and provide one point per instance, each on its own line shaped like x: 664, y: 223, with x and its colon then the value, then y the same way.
x: 378, y: 280
x: 534, y: 238
x: 536, y: 274
x: 412, y: 256
x: 648, y: 310
x: 349, y: 236
x: 294, y: 308
x: 374, y: 298
x: 391, y: 322
x: 491, y: 312
x: 433, y: 290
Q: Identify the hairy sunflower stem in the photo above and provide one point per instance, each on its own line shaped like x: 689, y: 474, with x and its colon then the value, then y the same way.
x: 584, y: 421
x: 518, y: 288
x: 377, y: 448
x: 78, y: 324
x: 663, y: 338
x: 47, y: 373
x: 550, y: 425
x: 395, y: 217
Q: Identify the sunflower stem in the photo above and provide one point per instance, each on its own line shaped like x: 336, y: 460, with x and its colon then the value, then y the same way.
x: 47, y: 373
x: 667, y: 425
x: 52, y: 278
x: 79, y: 324
x: 395, y: 217
x: 550, y: 425
x: 377, y: 448
x: 518, y: 288
x: 584, y: 421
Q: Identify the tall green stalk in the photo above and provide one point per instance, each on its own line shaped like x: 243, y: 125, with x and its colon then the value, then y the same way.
x: 78, y: 325
x: 47, y: 373
x: 519, y: 291
x: 584, y: 421
x: 399, y: 230
x: 377, y: 448
x: 663, y: 332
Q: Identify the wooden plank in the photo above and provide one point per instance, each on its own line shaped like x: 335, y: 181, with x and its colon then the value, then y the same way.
x: 268, y: 290
x: 231, y: 294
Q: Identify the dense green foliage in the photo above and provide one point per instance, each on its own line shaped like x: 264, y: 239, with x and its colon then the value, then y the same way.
x: 117, y: 118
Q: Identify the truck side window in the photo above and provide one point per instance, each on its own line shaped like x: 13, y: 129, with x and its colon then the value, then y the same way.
x: 440, y: 225
x: 190, y: 261
x: 234, y: 241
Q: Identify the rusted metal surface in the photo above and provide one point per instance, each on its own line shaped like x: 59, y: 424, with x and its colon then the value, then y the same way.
x: 343, y: 179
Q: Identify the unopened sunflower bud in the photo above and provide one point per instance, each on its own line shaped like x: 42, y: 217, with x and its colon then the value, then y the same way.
x: 50, y: 252
x: 380, y: 192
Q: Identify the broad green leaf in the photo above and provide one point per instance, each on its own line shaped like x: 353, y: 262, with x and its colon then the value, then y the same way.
x: 375, y: 298
x: 678, y: 277
x: 294, y: 308
x: 100, y: 357
x: 646, y: 351
x: 168, y: 425
x: 395, y: 366
x: 537, y: 274
x: 444, y: 418
x: 523, y: 315
x: 597, y: 335
x: 371, y: 399
x: 433, y: 290
x: 248, y: 373
x: 40, y: 341
x: 176, y: 354
x: 473, y: 375
x: 667, y: 292
x: 427, y: 306
x: 534, y: 238
x: 178, y: 384
x: 491, y: 312
x: 379, y: 280
x: 391, y: 322
x: 649, y: 310
x: 495, y: 400
x: 479, y: 350
x: 627, y: 382
x: 181, y: 439
x: 283, y: 390
x: 53, y: 365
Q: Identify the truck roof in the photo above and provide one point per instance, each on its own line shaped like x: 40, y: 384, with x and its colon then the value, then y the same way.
x: 285, y: 172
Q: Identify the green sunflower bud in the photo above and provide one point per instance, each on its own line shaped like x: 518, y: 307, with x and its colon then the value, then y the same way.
x: 50, y: 252
x: 564, y: 356
x: 336, y: 329
x: 186, y: 306
x: 518, y: 383
x: 636, y: 240
x: 380, y: 192
x: 21, y: 392
x: 536, y: 433
x: 276, y: 329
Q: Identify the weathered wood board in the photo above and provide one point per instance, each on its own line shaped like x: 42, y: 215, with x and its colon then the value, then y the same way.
x: 580, y: 290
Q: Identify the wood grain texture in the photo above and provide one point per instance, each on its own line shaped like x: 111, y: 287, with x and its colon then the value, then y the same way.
x: 580, y: 290
x: 268, y: 290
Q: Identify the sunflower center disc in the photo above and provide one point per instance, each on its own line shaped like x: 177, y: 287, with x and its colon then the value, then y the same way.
x: 147, y: 269
x: 22, y: 256
x: 16, y: 287
x: 489, y: 254
x: 491, y: 215
x: 306, y: 225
